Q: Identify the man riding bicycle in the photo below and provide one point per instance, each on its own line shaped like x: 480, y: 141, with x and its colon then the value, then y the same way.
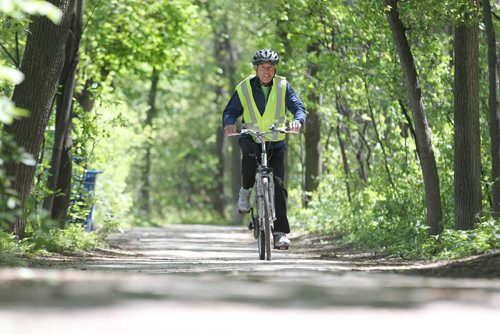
x: 262, y: 100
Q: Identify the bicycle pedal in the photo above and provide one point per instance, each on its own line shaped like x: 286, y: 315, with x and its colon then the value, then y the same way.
x: 250, y: 226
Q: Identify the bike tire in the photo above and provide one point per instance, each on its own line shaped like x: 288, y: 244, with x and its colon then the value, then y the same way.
x: 261, y: 244
x: 255, y: 223
x: 267, y: 218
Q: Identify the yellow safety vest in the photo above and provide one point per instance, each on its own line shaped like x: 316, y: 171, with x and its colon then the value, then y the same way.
x: 274, y: 112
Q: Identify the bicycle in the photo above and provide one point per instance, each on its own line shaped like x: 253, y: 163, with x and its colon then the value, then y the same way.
x: 265, y: 214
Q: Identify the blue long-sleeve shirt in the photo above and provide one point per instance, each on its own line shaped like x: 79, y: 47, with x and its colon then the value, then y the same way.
x: 234, y: 108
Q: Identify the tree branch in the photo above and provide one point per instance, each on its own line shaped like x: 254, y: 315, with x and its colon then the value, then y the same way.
x: 18, y: 58
x: 91, y: 15
x: 377, y: 134
x: 410, y: 124
x: 9, y: 55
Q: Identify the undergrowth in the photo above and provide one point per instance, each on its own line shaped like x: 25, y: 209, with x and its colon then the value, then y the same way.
x: 44, y: 237
x: 394, y: 227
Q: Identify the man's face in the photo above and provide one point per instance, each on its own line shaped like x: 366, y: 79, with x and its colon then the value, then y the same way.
x: 265, y: 72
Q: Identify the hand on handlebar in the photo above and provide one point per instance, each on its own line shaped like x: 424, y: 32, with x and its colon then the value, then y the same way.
x: 230, y: 129
x: 294, y: 126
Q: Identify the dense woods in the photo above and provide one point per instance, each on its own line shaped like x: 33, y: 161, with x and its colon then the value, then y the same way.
x: 400, y: 152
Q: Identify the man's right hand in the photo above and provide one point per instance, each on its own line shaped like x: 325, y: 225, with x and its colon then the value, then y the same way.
x: 230, y: 129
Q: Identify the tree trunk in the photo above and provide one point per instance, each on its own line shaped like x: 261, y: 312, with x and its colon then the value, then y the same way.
x: 422, y: 132
x: 221, y: 42
x: 145, y: 199
x: 283, y: 33
x: 467, y: 133
x: 219, y: 196
x: 312, y: 136
x: 61, y: 205
x: 226, y: 57
x: 231, y: 66
x: 64, y: 107
x: 42, y: 65
x: 345, y: 164
x: 363, y: 161
x: 493, y: 107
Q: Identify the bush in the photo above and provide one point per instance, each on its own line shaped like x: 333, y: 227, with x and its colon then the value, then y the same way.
x: 454, y: 243
x: 9, y: 250
x: 384, y: 222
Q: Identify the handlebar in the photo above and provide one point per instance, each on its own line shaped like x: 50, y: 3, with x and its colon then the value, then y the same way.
x: 260, y: 134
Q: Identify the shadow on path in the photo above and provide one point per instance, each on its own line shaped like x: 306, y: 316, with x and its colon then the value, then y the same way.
x: 210, y: 267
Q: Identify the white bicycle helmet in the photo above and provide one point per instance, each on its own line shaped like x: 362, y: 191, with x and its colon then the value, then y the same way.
x: 265, y: 56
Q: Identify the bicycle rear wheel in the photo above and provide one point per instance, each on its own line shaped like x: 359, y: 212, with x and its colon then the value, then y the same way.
x: 267, y: 218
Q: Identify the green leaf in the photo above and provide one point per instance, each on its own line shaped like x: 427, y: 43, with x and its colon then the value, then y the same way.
x: 18, y: 8
x: 11, y: 203
x: 8, y: 112
x: 28, y: 159
x: 11, y: 75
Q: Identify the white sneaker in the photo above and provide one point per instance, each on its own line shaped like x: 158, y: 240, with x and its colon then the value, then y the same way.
x: 244, y: 200
x: 281, y: 241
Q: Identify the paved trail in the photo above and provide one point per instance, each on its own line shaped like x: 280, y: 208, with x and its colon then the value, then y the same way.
x: 192, y: 279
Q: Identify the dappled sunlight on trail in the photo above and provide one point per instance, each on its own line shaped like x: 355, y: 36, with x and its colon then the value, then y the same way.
x: 192, y: 278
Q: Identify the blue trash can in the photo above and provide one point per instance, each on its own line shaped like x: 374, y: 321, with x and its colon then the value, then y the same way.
x: 89, y: 180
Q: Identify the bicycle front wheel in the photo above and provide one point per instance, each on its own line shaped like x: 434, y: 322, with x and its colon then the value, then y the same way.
x: 261, y: 243
x: 267, y: 214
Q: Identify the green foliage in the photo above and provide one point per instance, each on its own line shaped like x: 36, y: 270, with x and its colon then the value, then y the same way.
x: 359, y: 68
x: 134, y: 35
x: 20, y: 8
x: 14, y: 15
x: 392, y: 226
x: 357, y: 74
x: 378, y: 220
x: 9, y: 250
x: 10, y: 152
x: 455, y: 243
x: 44, y: 235
x: 53, y: 239
x: 114, y: 155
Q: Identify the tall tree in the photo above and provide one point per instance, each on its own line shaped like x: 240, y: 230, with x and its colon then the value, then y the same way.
x: 467, y: 163
x: 235, y: 148
x: 343, y: 151
x: 42, y: 65
x: 226, y: 58
x: 62, y: 202
x: 62, y: 137
x: 220, y: 40
x: 312, y: 133
x: 493, y: 107
x: 146, y: 173
x: 422, y: 132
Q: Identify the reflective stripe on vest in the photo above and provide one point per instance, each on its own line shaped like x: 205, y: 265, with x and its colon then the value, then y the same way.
x: 275, y: 107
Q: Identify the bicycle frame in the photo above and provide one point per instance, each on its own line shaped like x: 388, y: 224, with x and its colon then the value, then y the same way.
x: 264, y: 203
x: 264, y: 195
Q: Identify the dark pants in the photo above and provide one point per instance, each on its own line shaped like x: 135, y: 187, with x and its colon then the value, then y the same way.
x: 276, y: 160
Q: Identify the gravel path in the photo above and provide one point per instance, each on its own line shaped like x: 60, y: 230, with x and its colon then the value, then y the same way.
x: 192, y: 278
